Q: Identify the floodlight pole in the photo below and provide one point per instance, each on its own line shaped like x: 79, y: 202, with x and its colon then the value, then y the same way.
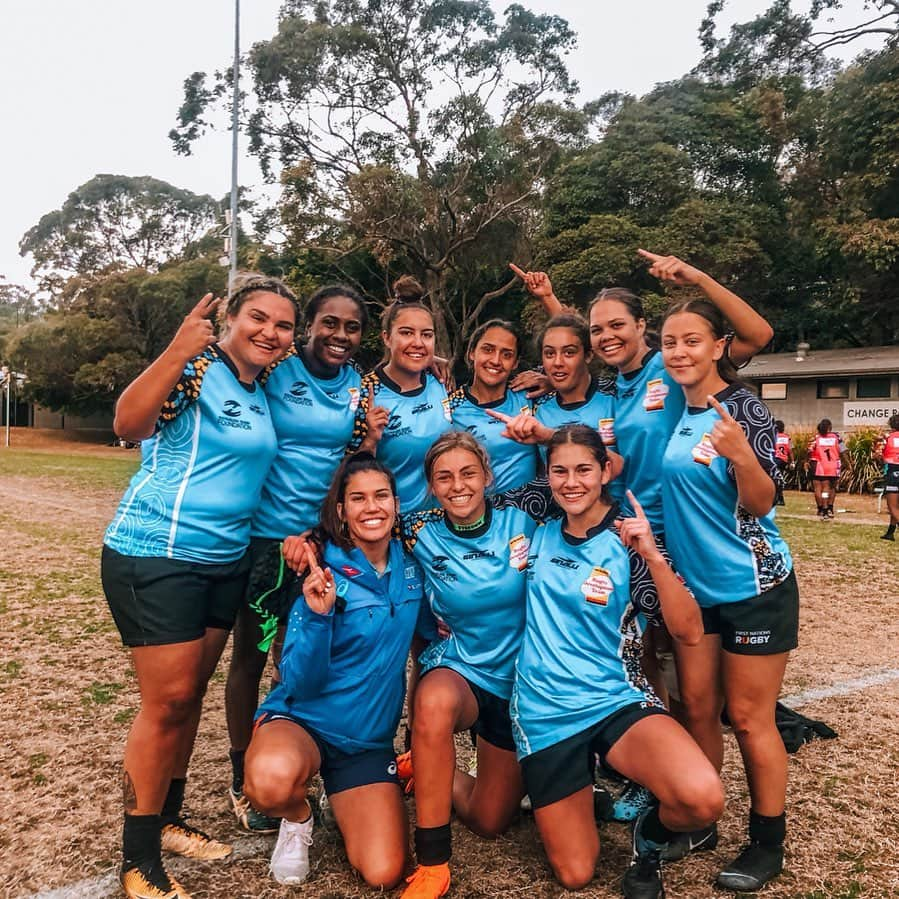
x: 235, y: 76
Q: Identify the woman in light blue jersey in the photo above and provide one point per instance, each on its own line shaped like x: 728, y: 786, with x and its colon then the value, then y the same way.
x: 174, y: 562
x: 404, y: 407
x: 719, y: 487
x: 492, y: 356
x: 473, y: 551
x: 313, y: 393
x: 337, y: 706
x: 579, y: 686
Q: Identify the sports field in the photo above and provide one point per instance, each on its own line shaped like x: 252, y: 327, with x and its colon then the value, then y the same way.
x: 67, y: 696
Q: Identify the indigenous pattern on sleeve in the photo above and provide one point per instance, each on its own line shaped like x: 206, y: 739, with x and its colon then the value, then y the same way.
x: 647, y: 407
x: 724, y: 553
x: 580, y: 659
x: 314, y: 421
x: 201, y: 473
x: 417, y: 419
x: 475, y: 582
x: 513, y: 463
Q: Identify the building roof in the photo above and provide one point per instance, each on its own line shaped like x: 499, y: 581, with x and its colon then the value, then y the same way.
x: 872, y: 360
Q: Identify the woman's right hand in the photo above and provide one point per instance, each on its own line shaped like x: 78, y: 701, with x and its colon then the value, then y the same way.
x: 376, y: 418
x: 293, y: 549
x: 523, y: 428
x: 318, y: 587
x: 197, y: 332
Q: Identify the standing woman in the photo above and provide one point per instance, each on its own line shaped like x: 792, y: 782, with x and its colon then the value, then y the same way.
x: 174, y: 563
x: 492, y: 356
x: 579, y: 688
x: 825, y: 455
x: 474, y: 553
x: 338, y: 703
x: 888, y: 452
x: 313, y: 393
x: 404, y: 407
x: 718, y: 493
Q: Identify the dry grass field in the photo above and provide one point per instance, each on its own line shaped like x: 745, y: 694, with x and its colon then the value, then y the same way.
x: 67, y: 695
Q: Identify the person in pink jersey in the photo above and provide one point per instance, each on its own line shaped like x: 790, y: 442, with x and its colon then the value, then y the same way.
x: 888, y: 452
x: 825, y: 454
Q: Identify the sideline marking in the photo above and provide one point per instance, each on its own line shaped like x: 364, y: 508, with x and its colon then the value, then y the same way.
x: 841, y: 688
x: 107, y: 885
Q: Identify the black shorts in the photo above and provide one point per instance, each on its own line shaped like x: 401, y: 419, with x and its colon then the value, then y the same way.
x: 826, y: 479
x: 156, y: 601
x: 891, y: 479
x: 566, y: 767
x: 343, y: 770
x: 763, y: 625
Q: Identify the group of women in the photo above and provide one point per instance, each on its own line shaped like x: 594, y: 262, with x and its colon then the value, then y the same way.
x: 420, y: 518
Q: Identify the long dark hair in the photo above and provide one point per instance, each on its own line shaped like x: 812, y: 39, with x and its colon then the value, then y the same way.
x: 330, y: 527
x: 634, y: 305
x: 825, y: 426
x: 727, y: 371
x: 572, y: 321
x: 580, y: 435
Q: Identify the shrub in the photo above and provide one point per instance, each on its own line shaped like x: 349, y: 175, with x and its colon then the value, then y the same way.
x: 861, y: 469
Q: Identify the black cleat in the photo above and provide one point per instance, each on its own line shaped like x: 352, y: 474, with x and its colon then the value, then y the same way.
x: 692, y: 841
x: 752, y: 868
x: 643, y: 879
x: 888, y: 536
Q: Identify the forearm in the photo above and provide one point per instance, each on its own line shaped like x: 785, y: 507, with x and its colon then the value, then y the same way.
x: 755, y: 489
x: 307, y: 654
x: 679, y: 609
x: 751, y: 331
x: 138, y: 408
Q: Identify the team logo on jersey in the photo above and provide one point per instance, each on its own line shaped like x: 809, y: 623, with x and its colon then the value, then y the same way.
x: 598, y: 587
x: 422, y: 407
x: 349, y: 571
x: 519, y: 547
x: 354, y: 398
x: 447, y: 408
x: 704, y: 452
x: 230, y: 417
x: 439, y: 567
x: 438, y: 563
x: 478, y: 554
x: 656, y: 391
x: 297, y: 394
x: 607, y: 431
x: 394, y: 426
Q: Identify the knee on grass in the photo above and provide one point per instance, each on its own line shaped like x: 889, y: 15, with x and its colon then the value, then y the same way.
x: 382, y: 872
x: 271, y: 783
x: 574, y: 873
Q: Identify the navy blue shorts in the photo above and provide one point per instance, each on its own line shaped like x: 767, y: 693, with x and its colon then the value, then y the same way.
x: 341, y: 770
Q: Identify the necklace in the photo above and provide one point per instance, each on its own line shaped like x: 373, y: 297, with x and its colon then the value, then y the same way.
x: 470, y: 527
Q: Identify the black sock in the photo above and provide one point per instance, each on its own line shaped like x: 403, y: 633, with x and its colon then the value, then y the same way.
x: 174, y: 799
x: 891, y: 527
x: 141, y: 841
x: 652, y: 828
x: 237, y: 756
x: 433, y: 845
x: 767, y: 831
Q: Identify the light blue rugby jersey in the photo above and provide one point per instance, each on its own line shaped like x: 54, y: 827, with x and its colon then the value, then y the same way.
x: 475, y: 582
x: 724, y: 553
x: 648, y: 405
x: 417, y: 419
x: 201, y: 473
x: 513, y: 463
x: 597, y: 411
x: 314, y: 419
x: 580, y: 657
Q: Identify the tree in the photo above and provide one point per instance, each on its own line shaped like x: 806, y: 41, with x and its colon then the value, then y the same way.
x: 420, y: 131
x: 116, y: 222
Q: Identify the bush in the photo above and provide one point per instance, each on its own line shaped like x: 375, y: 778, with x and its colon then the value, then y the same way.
x: 860, y: 469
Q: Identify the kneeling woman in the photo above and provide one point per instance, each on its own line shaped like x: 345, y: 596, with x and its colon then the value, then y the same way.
x: 474, y: 553
x: 579, y: 688
x: 343, y: 680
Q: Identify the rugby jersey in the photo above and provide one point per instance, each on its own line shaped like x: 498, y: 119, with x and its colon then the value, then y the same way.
x: 513, y: 463
x: 890, y: 450
x: 475, y: 582
x: 825, y: 450
x: 724, y: 553
x: 314, y: 420
x: 580, y: 659
x: 782, y: 447
x: 201, y: 473
x: 417, y: 419
x: 648, y: 404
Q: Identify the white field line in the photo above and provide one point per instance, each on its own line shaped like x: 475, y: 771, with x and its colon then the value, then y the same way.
x: 106, y: 886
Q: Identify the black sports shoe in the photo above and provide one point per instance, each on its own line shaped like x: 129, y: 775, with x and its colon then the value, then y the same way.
x: 602, y: 803
x: 887, y: 536
x: 693, y: 841
x: 752, y: 868
x: 643, y: 879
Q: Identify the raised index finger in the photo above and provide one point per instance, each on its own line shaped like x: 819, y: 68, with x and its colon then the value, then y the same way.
x: 638, y: 509
x: 206, y: 306
x: 311, y: 560
x: 499, y: 416
x: 652, y: 257
x: 725, y: 415
x: 517, y: 271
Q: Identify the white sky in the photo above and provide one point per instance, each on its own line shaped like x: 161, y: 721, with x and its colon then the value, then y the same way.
x: 92, y: 86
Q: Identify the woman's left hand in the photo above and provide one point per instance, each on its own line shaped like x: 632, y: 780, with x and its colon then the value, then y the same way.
x: 727, y: 436
x: 636, y: 533
x: 534, y: 382
x: 670, y: 268
x: 442, y: 370
x: 523, y: 428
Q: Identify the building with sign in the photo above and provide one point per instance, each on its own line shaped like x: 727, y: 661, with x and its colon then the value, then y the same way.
x: 850, y: 387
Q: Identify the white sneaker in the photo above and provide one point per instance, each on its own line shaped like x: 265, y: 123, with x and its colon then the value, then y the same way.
x: 290, y: 858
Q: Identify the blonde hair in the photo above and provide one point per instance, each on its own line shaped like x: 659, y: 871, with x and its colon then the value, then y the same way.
x: 452, y: 440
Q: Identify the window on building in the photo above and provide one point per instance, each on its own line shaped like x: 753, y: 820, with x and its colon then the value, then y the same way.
x: 873, y: 388
x: 774, y: 390
x: 833, y: 390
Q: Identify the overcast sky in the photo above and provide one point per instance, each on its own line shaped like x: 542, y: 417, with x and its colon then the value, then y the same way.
x: 93, y: 86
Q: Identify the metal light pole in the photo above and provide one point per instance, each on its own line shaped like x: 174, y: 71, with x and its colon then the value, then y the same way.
x: 232, y: 271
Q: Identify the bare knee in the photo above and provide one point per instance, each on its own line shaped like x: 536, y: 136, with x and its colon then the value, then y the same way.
x: 702, y: 802
x: 435, y: 712
x: 574, y: 873
x: 489, y: 824
x: 748, y: 721
x: 272, y: 782
x: 174, y: 708
x: 383, y: 872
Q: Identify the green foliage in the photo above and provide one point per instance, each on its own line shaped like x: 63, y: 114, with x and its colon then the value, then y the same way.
x: 799, y: 476
x: 861, y: 469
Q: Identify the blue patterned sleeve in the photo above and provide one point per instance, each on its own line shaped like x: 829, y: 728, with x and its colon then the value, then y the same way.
x: 755, y: 419
x: 644, y: 595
